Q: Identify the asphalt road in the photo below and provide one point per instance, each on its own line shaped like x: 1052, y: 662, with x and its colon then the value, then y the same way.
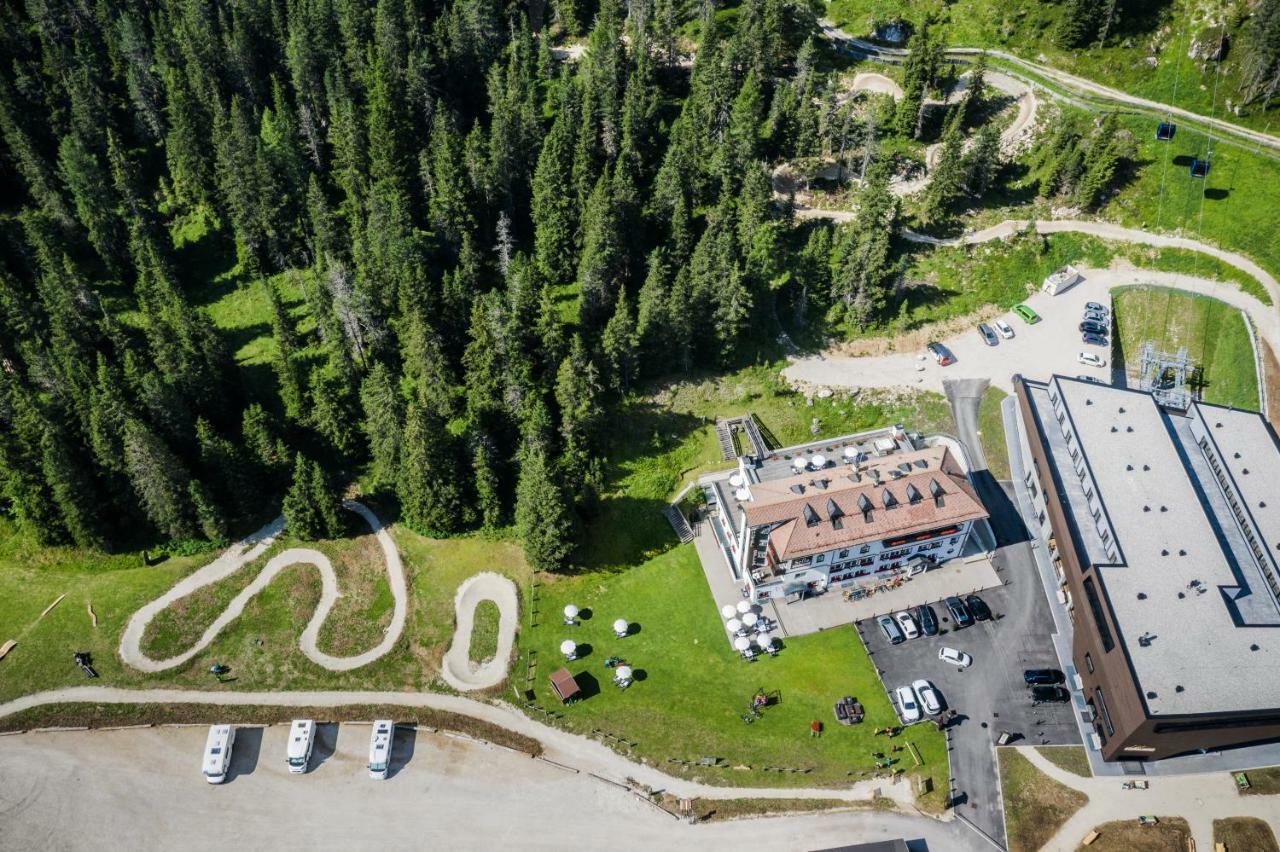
x: 142, y: 789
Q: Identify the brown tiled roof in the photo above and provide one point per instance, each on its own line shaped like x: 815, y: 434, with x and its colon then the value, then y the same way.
x: 911, y: 504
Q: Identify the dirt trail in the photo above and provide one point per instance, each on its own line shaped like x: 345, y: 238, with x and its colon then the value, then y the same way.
x: 458, y: 670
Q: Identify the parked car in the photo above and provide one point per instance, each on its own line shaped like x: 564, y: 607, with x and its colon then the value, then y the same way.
x: 1096, y: 307
x: 1029, y: 316
x: 1090, y: 360
x: 907, y: 623
x: 1093, y: 327
x: 988, y: 336
x: 1003, y: 329
x: 929, y: 698
x: 908, y: 705
x: 979, y: 608
x: 928, y: 620
x: 1093, y: 339
x: 891, y: 631
x: 1094, y: 316
x: 959, y: 613
x: 959, y: 659
x: 1049, y: 694
x: 941, y: 354
x: 1042, y: 677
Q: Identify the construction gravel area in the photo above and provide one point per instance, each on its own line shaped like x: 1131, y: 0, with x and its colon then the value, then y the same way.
x: 143, y: 789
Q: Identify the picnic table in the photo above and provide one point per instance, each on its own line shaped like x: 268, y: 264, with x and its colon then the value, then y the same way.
x: 848, y: 711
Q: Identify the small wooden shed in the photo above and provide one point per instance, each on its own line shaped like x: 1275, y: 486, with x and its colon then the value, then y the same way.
x: 566, y: 688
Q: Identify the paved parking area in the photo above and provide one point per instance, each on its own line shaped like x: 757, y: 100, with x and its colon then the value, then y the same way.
x: 989, y: 696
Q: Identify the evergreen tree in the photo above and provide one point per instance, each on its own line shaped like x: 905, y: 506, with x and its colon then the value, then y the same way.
x: 310, y: 506
x: 620, y: 343
x: 488, y: 483
x: 544, y: 520
x: 429, y: 484
x: 210, y: 518
x: 383, y: 422
x: 159, y: 479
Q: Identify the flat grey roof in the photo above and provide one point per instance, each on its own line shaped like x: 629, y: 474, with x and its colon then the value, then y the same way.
x: 1198, y: 659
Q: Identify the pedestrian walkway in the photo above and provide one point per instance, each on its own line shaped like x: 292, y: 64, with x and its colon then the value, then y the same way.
x: 1199, y: 799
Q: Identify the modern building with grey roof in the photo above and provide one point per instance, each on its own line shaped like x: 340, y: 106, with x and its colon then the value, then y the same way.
x: 1164, y: 529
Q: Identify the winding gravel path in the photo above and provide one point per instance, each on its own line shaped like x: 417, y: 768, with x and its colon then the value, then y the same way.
x: 457, y: 669
x: 248, y: 550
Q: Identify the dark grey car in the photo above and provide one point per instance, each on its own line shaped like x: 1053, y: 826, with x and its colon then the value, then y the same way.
x: 988, y: 334
x: 959, y: 612
x: 928, y: 620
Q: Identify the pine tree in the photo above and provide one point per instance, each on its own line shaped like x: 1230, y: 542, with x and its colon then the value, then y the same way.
x: 544, y: 521
x: 159, y: 479
x: 429, y: 484
x: 488, y: 483
x: 620, y: 343
x: 982, y: 161
x: 310, y: 506
x: 578, y: 397
x: 383, y: 423
x: 210, y: 518
x: 73, y: 489
x: 262, y: 438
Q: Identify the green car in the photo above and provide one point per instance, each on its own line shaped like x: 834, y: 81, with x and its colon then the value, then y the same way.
x: 1030, y: 316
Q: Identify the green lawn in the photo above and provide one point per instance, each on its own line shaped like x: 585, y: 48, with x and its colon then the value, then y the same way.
x: 1213, y: 332
x: 991, y: 427
x: 1071, y: 758
x: 484, y: 632
x: 1035, y: 806
x: 692, y: 688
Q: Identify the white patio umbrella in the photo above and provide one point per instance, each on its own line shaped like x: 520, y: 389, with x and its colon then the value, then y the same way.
x: 742, y: 643
x: 734, y: 625
x: 742, y: 495
x: 620, y: 626
x: 764, y: 640
x: 851, y: 452
x: 750, y: 618
x: 736, y: 480
x: 728, y: 611
x: 570, y: 611
x: 799, y: 463
x: 568, y: 647
x: 819, y: 461
x: 745, y: 606
x: 622, y: 673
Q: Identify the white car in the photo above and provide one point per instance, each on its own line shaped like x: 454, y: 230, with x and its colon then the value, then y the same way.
x: 959, y: 659
x: 1091, y: 360
x: 907, y: 705
x: 1003, y: 329
x: 928, y: 697
x: 907, y: 623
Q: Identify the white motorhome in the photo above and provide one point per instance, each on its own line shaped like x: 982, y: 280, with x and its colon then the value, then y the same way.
x: 217, y: 753
x: 384, y: 732
x: 302, y: 736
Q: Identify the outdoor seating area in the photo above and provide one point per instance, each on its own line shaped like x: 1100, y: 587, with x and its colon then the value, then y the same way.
x: 848, y: 711
x: 623, y: 674
x: 749, y: 630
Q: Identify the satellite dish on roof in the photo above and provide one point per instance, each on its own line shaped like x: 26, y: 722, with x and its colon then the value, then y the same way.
x: 727, y: 611
x: 734, y: 625
x: 742, y: 643
x: 568, y: 646
x: 570, y: 611
x: 744, y: 606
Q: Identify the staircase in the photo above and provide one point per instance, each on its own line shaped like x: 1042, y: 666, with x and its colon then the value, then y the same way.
x: 679, y: 523
x: 724, y: 434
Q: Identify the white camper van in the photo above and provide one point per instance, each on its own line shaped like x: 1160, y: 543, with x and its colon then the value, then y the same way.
x: 384, y: 732
x: 217, y: 753
x: 302, y: 736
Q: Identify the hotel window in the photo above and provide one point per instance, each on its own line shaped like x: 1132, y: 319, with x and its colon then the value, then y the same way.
x: 844, y: 554
x: 1088, y: 663
x: 1041, y: 518
x: 1099, y: 619
x: 1106, y: 716
x: 866, y: 548
x: 821, y: 557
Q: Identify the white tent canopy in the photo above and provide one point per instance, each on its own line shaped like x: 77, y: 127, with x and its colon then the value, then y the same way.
x: 622, y: 673
x: 570, y: 611
x: 727, y: 611
x: 744, y: 606
x: 750, y: 618
x: 742, y: 643
x: 568, y: 646
x: 734, y: 625
x: 620, y: 626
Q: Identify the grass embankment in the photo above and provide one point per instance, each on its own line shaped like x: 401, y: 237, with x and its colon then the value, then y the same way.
x: 719, y: 810
x: 1026, y: 28
x: 1244, y: 834
x: 1262, y: 782
x: 1213, y: 332
x: 991, y: 432
x: 1171, y: 834
x: 1071, y: 758
x: 484, y: 632
x: 1035, y: 806
x: 108, y: 715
